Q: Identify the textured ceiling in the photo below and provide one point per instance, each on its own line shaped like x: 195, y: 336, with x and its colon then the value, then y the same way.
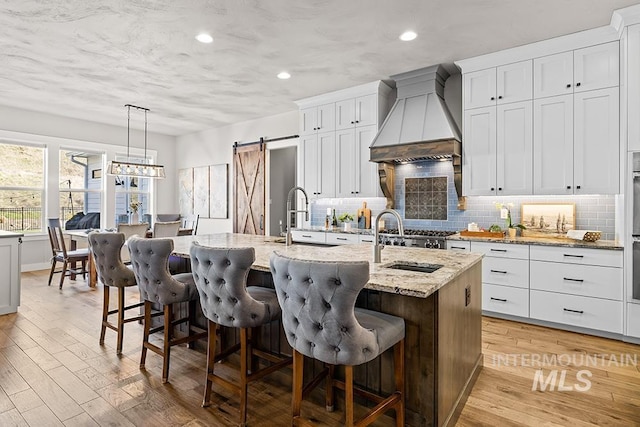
x: 86, y: 58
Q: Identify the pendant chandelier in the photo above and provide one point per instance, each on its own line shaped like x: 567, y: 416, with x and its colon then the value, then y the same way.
x: 129, y: 168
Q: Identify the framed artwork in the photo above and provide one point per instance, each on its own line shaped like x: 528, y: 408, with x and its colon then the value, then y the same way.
x: 201, y: 191
x: 185, y: 191
x: 218, y: 191
x: 548, y: 219
x: 96, y: 174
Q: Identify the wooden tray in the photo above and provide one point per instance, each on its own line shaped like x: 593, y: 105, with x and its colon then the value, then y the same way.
x: 493, y: 234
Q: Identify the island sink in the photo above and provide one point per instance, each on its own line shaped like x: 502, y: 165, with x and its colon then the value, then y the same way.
x: 421, y: 268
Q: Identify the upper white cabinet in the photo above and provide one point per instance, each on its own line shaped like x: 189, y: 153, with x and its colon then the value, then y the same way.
x: 361, y: 111
x: 479, y: 151
x: 334, y: 149
x: 500, y: 85
x: 633, y: 88
x: 590, y: 68
x: 321, y: 118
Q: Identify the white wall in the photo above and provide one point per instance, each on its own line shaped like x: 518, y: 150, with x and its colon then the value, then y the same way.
x: 215, y: 146
x: 56, y: 132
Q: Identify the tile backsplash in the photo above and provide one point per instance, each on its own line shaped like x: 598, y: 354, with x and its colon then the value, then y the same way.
x: 593, y: 212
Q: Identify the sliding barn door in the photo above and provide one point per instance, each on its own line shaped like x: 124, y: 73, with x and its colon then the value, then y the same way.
x: 248, y: 171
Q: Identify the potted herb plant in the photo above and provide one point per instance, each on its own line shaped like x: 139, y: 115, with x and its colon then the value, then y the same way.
x: 346, y: 219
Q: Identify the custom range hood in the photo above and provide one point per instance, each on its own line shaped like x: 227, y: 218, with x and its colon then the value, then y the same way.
x: 418, y: 128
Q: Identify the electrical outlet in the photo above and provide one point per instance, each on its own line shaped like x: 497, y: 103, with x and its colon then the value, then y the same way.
x: 467, y: 296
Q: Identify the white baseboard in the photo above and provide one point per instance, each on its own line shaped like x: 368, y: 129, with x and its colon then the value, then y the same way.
x: 35, y: 267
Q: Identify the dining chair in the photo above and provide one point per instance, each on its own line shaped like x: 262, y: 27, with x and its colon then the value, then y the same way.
x: 149, y: 260
x: 131, y: 230
x: 321, y: 322
x: 61, y: 254
x: 166, y: 229
x: 191, y: 222
x: 220, y: 275
x: 168, y: 217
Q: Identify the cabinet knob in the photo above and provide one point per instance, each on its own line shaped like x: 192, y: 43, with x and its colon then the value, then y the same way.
x: 578, y: 187
x: 352, y: 121
x: 568, y: 187
x: 493, y: 189
x: 568, y: 85
x: 500, y: 97
x: 357, y: 121
x: 499, y: 188
x: 493, y: 98
x: 578, y: 84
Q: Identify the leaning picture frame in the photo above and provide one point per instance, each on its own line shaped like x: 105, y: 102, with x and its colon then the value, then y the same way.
x: 547, y: 219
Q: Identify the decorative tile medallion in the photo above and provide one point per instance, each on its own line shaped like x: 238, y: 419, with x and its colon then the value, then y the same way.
x: 426, y: 198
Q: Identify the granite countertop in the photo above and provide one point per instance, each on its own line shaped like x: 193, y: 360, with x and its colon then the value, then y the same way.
x: 545, y: 241
x: 382, y: 278
x: 4, y: 234
x: 366, y: 231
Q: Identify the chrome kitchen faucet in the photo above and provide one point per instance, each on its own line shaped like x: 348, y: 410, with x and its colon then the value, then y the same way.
x: 289, y: 239
x: 377, y: 247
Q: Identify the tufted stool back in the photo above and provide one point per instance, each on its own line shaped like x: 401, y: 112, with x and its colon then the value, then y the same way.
x: 106, y: 252
x: 221, y: 276
x: 150, y: 262
x: 317, y: 300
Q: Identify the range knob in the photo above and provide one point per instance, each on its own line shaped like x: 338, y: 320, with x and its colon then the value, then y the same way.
x: 436, y: 245
x: 387, y: 242
x: 403, y: 243
x: 395, y: 242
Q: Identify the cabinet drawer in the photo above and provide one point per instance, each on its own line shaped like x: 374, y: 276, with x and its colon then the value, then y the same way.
x: 576, y: 279
x: 459, y: 245
x: 633, y: 320
x: 341, y: 239
x: 604, y: 257
x: 501, y: 250
x: 308, y: 236
x: 506, y: 300
x: 505, y: 271
x: 585, y: 312
x: 364, y: 238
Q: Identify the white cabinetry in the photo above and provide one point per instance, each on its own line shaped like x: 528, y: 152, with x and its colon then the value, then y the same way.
x: 458, y: 245
x: 633, y: 88
x: 304, y: 236
x: 318, y: 154
x: 9, y: 272
x: 336, y: 163
x: 499, y: 85
x: 579, y: 287
x: 316, y: 119
x: 590, y: 68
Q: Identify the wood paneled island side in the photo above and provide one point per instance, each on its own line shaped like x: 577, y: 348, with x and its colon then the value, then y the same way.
x: 442, y: 311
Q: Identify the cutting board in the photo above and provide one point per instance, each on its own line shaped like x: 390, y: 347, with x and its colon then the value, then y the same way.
x: 364, y: 216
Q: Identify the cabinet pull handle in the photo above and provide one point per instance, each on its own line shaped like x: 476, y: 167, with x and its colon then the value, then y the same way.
x: 493, y: 98
x: 367, y: 241
x: 574, y: 256
x: 578, y: 84
x: 306, y: 235
x: 498, y: 250
x: 573, y: 311
x: 341, y: 238
x: 578, y: 187
x: 500, y: 97
x: 568, y: 85
x: 572, y: 280
x: 499, y: 271
x: 499, y: 299
x: 459, y: 247
x: 568, y: 187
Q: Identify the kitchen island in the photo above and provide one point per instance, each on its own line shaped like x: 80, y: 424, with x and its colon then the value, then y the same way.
x: 10, y: 271
x: 442, y: 312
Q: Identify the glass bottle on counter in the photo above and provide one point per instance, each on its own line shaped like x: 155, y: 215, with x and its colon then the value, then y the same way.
x: 334, y: 221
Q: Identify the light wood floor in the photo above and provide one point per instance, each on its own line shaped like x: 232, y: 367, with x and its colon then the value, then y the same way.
x: 53, y: 372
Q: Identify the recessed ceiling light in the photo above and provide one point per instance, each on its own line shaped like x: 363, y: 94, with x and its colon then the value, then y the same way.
x: 204, y: 38
x: 408, y: 36
x: 284, y: 75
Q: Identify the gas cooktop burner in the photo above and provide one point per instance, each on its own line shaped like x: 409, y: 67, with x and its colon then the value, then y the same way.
x: 425, y: 233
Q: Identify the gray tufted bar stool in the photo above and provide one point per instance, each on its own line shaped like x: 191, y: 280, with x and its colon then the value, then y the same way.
x: 221, y: 277
x: 150, y: 262
x: 106, y: 250
x: 321, y: 322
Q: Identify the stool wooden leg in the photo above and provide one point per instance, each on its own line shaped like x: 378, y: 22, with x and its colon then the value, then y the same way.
x: 348, y: 395
x: 328, y: 389
x: 298, y: 364
x: 105, y: 313
x: 145, y: 335
x: 64, y: 271
x: 244, y: 367
x: 398, y: 365
x: 168, y: 336
x: 192, y: 317
x: 253, y: 343
x: 120, y: 320
x: 53, y: 269
x: 211, y: 355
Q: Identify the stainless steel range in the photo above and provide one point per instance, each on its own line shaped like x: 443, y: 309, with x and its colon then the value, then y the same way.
x: 432, y: 239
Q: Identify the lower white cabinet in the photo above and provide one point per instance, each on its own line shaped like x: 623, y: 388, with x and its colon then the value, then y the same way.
x: 459, y: 245
x: 504, y: 271
x: 584, y: 312
x: 303, y: 236
x: 365, y: 238
x: 341, y: 238
x: 633, y: 320
x: 505, y: 299
x: 9, y: 273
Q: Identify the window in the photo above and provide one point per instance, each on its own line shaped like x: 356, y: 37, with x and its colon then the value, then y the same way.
x: 133, y: 189
x: 21, y: 187
x: 80, y: 188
